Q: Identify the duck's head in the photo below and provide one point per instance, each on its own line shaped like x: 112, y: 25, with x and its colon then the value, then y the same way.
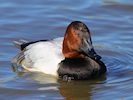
x: 77, y: 42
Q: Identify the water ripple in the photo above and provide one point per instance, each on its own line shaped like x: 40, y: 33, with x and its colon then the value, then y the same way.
x: 111, y: 25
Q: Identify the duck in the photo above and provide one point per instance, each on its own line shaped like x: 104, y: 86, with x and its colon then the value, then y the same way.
x: 72, y: 56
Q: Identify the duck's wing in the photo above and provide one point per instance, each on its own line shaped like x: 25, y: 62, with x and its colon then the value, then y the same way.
x: 22, y: 44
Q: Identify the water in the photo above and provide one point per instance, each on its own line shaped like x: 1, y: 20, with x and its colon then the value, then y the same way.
x: 111, y: 25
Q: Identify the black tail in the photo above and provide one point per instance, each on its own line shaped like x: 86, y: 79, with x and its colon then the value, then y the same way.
x: 19, y: 43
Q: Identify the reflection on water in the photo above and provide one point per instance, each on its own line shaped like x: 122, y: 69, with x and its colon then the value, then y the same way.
x: 79, y: 90
x: 70, y: 90
x: 111, y: 25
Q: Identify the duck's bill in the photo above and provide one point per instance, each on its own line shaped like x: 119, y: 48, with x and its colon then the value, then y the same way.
x: 88, y: 49
x: 92, y: 54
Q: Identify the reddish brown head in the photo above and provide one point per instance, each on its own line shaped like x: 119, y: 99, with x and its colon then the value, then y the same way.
x: 77, y: 41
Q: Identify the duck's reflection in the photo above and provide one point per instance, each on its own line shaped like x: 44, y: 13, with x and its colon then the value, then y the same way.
x: 78, y: 90
x: 75, y: 90
x: 70, y: 90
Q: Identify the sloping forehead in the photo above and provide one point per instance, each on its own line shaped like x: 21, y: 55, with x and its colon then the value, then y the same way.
x: 77, y: 24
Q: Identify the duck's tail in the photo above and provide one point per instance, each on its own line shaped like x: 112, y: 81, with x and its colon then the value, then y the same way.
x: 18, y: 43
x: 20, y: 56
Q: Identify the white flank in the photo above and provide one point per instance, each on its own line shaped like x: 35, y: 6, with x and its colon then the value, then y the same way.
x: 44, y: 56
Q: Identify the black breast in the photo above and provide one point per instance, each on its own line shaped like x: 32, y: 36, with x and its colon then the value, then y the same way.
x: 80, y: 68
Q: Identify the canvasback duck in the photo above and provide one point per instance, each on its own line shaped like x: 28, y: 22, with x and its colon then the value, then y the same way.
x: 72, y: 56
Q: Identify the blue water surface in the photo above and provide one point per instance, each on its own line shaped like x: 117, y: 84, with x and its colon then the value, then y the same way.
x: 111, y: 26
